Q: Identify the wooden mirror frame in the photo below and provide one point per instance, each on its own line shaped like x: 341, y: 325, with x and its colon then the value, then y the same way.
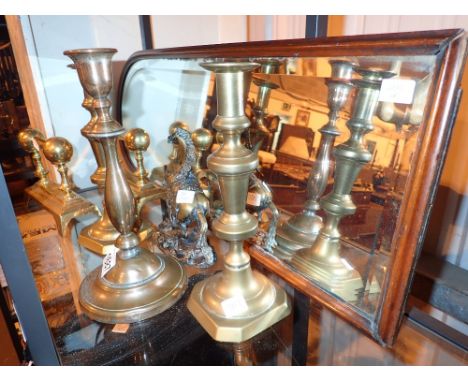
x: 449, y: 47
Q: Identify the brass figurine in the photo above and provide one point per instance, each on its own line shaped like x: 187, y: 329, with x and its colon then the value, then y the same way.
x: 60, y: 200
x: 140, y: 284
x: 323, y: 261
x: 301, y: 229
x: 237, y: 303
x: 187, y: 205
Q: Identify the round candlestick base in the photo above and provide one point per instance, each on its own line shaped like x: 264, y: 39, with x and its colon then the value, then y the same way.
x: 135, y: 289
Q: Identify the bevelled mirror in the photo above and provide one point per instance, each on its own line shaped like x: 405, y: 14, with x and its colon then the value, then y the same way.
x: 351, y: 134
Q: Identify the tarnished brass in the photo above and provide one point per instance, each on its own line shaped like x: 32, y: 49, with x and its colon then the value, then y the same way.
x: 141, y: 284
x: 202, y: 139
x: 323, y: 261
x: 60, y: 200
x: 301, y: 229
x: 238, y: 303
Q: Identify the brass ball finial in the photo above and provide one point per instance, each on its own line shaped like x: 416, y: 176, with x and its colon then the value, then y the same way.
x: 137, y: 140
x: 202, y: 139
x: 58, y: 150
x: 26, y: 138
x: 177, y: 124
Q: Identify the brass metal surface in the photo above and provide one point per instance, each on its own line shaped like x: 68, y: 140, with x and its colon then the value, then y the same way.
x: 322, y: 261
x: 99, y: 236
x: 60, y: 200
x: 238, y: 303
x: 301, y: 229
x: 141, y: 284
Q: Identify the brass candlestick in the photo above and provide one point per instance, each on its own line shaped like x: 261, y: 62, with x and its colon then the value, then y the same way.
x: 323, y: 261
x: 238, y: 303
x: 141, y: 284
x: 301, y: 229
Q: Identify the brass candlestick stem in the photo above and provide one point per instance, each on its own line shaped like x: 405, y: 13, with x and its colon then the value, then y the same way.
x: 141, y: 284
x: 301, y: 229
x: 238, y: 303
x: 323, y: 261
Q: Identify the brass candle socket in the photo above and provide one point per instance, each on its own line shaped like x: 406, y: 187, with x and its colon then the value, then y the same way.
x: 238, y: 303
x: 59, y: 200
x: 323, y: 261
x: 141, y: 284
x: 300, y: 230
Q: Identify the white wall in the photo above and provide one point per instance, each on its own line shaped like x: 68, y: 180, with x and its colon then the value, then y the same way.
x: 58, y: 86
x: 176, y: 31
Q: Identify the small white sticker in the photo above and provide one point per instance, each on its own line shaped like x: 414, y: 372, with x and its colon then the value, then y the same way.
x: 347, y: 265
x: 109, y: 262
x: 253, y: 199
x: 185, y: 196
x: 234, y: 306
x: 397, y: 90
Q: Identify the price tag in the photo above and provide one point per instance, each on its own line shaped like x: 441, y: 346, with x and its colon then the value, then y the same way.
x: 347, y: 265
x: 397, y: 90
x: 120, y: 328
x: 253, y: 199
x: 109, y: 262
x: 185, y: 196
x: 234, y: 306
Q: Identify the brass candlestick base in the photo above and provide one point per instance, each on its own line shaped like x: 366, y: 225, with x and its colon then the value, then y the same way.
x: 330, y: 270
x: 238, y: 303
x: 298, y: 232
x: 140, y: 284
x: 135, y: 289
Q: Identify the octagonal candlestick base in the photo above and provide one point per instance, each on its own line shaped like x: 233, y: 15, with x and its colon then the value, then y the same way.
x: 238, y: 303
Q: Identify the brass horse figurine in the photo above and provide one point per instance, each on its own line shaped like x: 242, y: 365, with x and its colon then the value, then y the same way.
x: 184, y: 229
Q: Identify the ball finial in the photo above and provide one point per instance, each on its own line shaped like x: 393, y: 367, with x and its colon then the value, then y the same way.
x: 58, y: 150
x: 137, y: 139
x: 202, y: 139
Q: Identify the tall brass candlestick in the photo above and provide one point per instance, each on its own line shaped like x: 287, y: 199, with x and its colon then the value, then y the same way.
x: 140, y: 284
x: 238, y: 303
x: 323, y: 261
x: 98, y: 237
x: 301, y: 229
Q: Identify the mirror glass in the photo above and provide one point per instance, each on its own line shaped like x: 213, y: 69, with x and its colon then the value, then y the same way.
x: 374, y: 106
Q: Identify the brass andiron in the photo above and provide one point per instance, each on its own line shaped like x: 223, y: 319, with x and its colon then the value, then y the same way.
x: 137, y: 141
x: 323, y: 261
x: 237, y: 303
x: 301, y: 229
x: 139, y: 284
x: 59, y: 200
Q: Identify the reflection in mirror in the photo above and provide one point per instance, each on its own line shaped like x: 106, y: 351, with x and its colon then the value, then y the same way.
x: 335, y: 139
